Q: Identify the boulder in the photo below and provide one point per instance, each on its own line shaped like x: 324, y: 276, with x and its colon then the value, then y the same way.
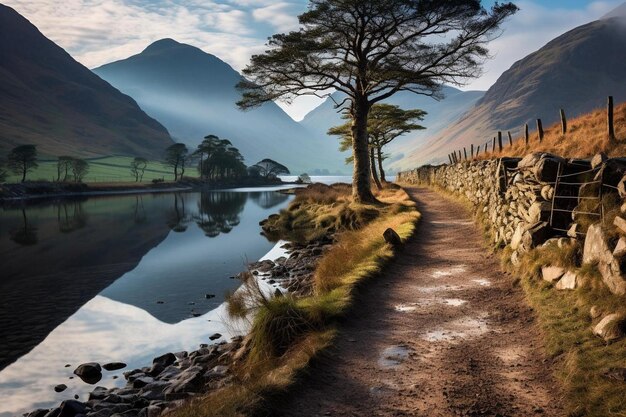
x: 189, y: 380
x: 536, y: 234
x: 552, y: 273
x: 598, y: 159
x: 569, y: 281
x: 165, y: 360
x: 539, y: 211
x: 71, y: 408
x: 40, y: 412
x: 595, y: 248
x: 60, y: 388
x: 392, y: 237
x: 610, y: 328
x: 620, y: 248
x: 516, y: 240
x: 620, y: 223
x: 547, y: 192
x: 90, y: 372
x: 612, y: 276
x: 574, y: 230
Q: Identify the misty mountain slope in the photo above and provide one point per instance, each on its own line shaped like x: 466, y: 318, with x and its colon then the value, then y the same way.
x: 50, y: 100
x: 440, y: 114
x: 193, y: 94
x: 576, y: 72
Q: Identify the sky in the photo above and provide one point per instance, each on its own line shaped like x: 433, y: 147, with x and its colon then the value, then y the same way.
x: 97, y: 32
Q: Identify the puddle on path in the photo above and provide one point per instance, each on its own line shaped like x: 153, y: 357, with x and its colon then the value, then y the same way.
x: 393, y: 356
x: 456, y: 222
x: 448, y: 272
x: 463, y: 328
x: 482, y: 282
x: 409, y: 307
x: 440, y: 288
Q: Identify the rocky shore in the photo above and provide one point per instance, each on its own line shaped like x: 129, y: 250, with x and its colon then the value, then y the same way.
x: 174, y: 378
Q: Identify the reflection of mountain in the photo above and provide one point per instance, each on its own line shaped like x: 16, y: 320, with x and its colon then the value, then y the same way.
x: 48, y: 273
x: 219, y: 211
x: 268, y: 199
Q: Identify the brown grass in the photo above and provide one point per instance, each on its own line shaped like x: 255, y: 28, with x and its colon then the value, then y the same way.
x: 586, y: 136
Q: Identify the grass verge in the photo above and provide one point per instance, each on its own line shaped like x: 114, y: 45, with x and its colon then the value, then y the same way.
x: 288, y: 332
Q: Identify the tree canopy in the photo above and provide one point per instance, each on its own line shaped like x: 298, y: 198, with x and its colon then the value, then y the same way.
x: 370, y: 50
x: 219, y: 159
x: 22, y: 159
x: 269, y: 168
x: 138, y: 167
x: 176, y: 157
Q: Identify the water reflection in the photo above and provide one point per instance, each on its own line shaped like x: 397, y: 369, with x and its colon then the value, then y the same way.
x: 147, y: 251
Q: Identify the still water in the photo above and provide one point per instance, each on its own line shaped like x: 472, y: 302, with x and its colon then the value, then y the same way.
x: 122, y: 278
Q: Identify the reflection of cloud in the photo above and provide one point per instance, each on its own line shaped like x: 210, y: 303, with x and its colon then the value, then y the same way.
x: 103, y: 331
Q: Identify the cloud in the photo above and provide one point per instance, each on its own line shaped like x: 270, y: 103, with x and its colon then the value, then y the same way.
x: 282, y: 16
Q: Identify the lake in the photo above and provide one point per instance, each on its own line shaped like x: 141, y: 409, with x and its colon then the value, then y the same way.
x: 118, y: 278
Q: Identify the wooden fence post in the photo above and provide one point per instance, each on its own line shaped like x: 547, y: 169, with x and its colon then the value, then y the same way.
x: 450, y: 158
x: 609, y: 119
x: 563, y: 122
x: 465, y: 152
x: 526, y: 135
x: 540, y: 130
x: 500, y: 141
x: 472, y: 150
x: 494, y: 145
x: 486, y: 147
x: 510, y: 139
x: 477, y: 151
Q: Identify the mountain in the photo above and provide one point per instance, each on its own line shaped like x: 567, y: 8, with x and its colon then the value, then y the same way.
x: 193, y: 94
x: 50, y: 100
x: 575, y: 72
x: 441, y: 113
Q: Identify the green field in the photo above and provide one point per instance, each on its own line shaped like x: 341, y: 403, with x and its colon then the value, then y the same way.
x: 105, y: 169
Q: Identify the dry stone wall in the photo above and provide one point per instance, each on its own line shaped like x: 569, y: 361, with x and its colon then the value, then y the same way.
x: 516, y: 198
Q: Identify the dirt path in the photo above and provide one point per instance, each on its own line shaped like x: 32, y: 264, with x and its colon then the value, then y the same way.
x: 443, y: 332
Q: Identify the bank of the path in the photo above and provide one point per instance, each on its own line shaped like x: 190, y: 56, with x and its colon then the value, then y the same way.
x: 443, y: 332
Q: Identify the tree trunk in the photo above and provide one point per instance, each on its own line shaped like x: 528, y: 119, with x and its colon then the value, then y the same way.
x: 373, y: 169
x: 361, y: 188
x: 23, y: 172
x: 381, y: 171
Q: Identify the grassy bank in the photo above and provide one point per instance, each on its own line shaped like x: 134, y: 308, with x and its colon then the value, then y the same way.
x: 584, y: 364
x: 288, y: 332
x: 108, y: 169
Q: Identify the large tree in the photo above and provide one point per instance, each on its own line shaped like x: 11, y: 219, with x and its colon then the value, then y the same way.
x: 80, y: 168
x: 269, y: 168
x: 385, y: 123
x: 176, y: 157
x: 22, y: 159
x: 370, y: 50
x: 64, y: 165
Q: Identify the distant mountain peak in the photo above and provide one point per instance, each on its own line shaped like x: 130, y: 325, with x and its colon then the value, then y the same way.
x: 619, y: 11
x: 164, y: 44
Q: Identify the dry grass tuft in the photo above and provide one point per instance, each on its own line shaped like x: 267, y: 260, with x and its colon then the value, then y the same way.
x: 586, y: 136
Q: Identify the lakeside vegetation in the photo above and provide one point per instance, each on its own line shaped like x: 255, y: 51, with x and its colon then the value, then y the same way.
x: 288, y: 331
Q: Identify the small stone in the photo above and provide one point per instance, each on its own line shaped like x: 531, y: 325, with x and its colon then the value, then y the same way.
x: 60, y: 388
x: 215, y: 336
x: 114, y: 366
x: 620, y: 223
x: 569, y: 281
x: 598, y: 159
x: 610, y: 328
x: 392, y: 237
x: 90, y: 372
x: 595, y: 312
x: 209, y: 296
x: 552, y: 273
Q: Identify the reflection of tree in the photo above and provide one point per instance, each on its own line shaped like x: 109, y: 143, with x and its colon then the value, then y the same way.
x: 219, y: 211
x: 25, y: 235
x: 268, y: 199
x: 70, y: 216
x: 177, y: 218
x: 139, y: 215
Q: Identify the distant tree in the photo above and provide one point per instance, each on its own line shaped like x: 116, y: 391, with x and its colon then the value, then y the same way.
x: 64, y: 165
x: 371, y: 50
x: 205, y: 151
x: 3, y: 171
x: 386, y: 122
x: 22, y: 159
x: 138, y: 167
x: 222, y: 159
x: 176, y: 156
x: 304, y: 179
x: 79, y: 167
x: 269, y: 168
